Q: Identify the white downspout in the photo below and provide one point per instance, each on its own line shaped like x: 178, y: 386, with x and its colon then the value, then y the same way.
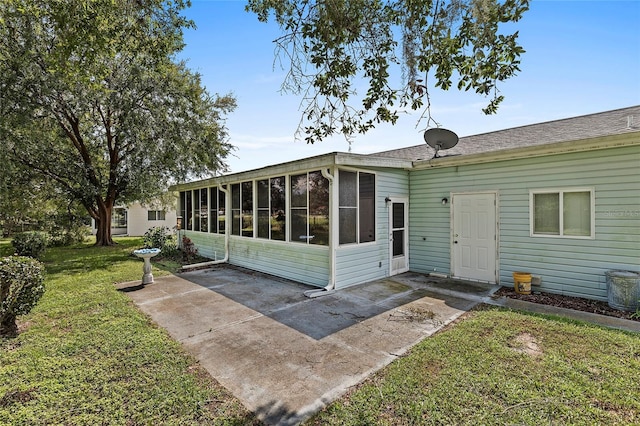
x: 227, y: 213
x: 333, y: 237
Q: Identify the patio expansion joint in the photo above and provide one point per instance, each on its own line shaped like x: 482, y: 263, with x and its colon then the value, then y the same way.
x: 197, y: 336
x: 170, y: 296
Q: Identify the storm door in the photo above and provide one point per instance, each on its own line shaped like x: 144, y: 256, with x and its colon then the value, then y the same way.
x: 398, y: 237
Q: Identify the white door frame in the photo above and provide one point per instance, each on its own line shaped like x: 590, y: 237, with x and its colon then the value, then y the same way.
x: 394, y: 262
x: 496, y: 277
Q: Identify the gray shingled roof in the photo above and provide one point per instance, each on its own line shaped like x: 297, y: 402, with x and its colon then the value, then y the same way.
x: 584, y: 127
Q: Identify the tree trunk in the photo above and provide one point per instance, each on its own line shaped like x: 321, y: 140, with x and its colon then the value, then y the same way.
x: 8, y: 326
x: 103, y: 226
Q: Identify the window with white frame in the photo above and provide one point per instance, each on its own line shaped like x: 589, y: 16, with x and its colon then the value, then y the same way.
x: 242, y: 209
x: 562, y: 213
x: 216, y: 210
x: 188, y: 209
x: 201, y: 210
x: 155, y: 215
x: 235, y: 209
x: 309, y: 208
x: 357, y: 215
x: 271, y: 208
x: 119, y: 218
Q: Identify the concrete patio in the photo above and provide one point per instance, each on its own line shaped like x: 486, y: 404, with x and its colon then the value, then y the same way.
x: 284, y: 355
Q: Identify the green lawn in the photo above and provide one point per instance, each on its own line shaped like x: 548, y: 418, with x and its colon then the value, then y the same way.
x: 498, y: 367
x: 86, y: 355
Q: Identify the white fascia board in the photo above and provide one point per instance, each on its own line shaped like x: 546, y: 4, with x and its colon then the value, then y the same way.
x: 325, y: 160
x: 605, y: 142
x: 361, y: 160
x: 305, y: 164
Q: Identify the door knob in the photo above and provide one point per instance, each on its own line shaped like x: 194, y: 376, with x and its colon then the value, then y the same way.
x: 455, y: 242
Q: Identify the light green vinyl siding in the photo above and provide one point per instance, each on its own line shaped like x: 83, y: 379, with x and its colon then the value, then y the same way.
x: 360, y: 263
x: 210, y: 246
x: 567, y: 266
x: 304, y: 263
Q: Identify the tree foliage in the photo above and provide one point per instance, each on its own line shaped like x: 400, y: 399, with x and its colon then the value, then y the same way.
x: 93, y: 98
x: 27, y: 202
x: 329, y: 46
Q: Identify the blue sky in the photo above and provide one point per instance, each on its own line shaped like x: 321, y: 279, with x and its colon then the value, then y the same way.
x: 582, y: 57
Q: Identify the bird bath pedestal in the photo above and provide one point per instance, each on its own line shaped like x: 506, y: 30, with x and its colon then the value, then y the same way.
x: 147, y: 254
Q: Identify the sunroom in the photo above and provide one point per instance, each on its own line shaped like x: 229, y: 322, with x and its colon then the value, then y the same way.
x: 329, y: 221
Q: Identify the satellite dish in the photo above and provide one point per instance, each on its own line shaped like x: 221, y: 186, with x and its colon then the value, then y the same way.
x: 438, y: 138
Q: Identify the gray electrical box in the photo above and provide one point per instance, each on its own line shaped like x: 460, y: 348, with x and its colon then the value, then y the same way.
x: 623, y: 290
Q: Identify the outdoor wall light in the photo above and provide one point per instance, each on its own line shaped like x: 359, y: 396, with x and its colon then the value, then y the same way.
x: 445, y: 200
x: 387, y: 199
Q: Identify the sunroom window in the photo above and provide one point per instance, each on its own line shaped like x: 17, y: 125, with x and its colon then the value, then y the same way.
x: 562, y: 213
x: 235, y: 209
x: 201, y: 198
x: 188, y: 216
x: 216, y: 210
x: 309, y: 198
x: 247, y: 209
x: 271, y: 208
x: 357, y: 214
x: 242, y: 209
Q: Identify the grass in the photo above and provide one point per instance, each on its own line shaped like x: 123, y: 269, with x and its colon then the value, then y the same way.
x: 86, y: 355
x: 500, y: 367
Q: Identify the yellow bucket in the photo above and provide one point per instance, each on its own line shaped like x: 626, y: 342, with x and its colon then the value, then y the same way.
x: 522, y: 282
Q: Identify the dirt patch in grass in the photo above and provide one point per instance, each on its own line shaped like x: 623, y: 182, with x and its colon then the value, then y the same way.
x: 17, y: 396
x: 575, y: 303
x: 527, y: 343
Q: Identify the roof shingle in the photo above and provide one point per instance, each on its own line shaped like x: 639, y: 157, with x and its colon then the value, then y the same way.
x: 608, y: 123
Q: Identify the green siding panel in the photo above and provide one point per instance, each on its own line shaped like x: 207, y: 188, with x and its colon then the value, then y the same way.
x: 209, y: 245
x: 304, y: 263
x: 357, y: 264
x: 568, y: 266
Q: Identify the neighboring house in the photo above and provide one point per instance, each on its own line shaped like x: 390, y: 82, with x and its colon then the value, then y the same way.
x: 560, y: 200
x: 135, y: 219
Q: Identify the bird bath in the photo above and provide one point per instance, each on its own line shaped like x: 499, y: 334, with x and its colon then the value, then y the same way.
x: 147, y: 254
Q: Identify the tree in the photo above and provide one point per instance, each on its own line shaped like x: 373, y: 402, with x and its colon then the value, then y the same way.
x: 329, y: 46
x: 93, y: 99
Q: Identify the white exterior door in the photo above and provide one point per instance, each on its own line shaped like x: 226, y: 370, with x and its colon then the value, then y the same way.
x: 474, y: 243
x: 398, y: 236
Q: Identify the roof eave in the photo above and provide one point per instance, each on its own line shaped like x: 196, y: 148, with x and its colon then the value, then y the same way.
x: 592, y: 144
x: 325, y: 160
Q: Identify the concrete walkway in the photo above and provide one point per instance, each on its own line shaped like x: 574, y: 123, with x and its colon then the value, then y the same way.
x: 285, y: 356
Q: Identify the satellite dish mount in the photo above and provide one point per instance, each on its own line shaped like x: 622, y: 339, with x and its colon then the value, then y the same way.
x: 439, y: 138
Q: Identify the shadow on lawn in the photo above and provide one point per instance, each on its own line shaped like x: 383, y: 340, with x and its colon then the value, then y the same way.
x: 86, y: 257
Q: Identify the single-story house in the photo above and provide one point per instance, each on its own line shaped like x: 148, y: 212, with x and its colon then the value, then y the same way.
x: 135, y: 219
x: 559, y: 199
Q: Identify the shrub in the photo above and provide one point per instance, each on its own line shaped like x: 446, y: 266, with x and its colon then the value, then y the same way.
x: 21, y: 286
x: 61, y: 237
x: 170, y: 250
x: 32, y: 244
x: 157, y: 237
x: 189, y: 250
